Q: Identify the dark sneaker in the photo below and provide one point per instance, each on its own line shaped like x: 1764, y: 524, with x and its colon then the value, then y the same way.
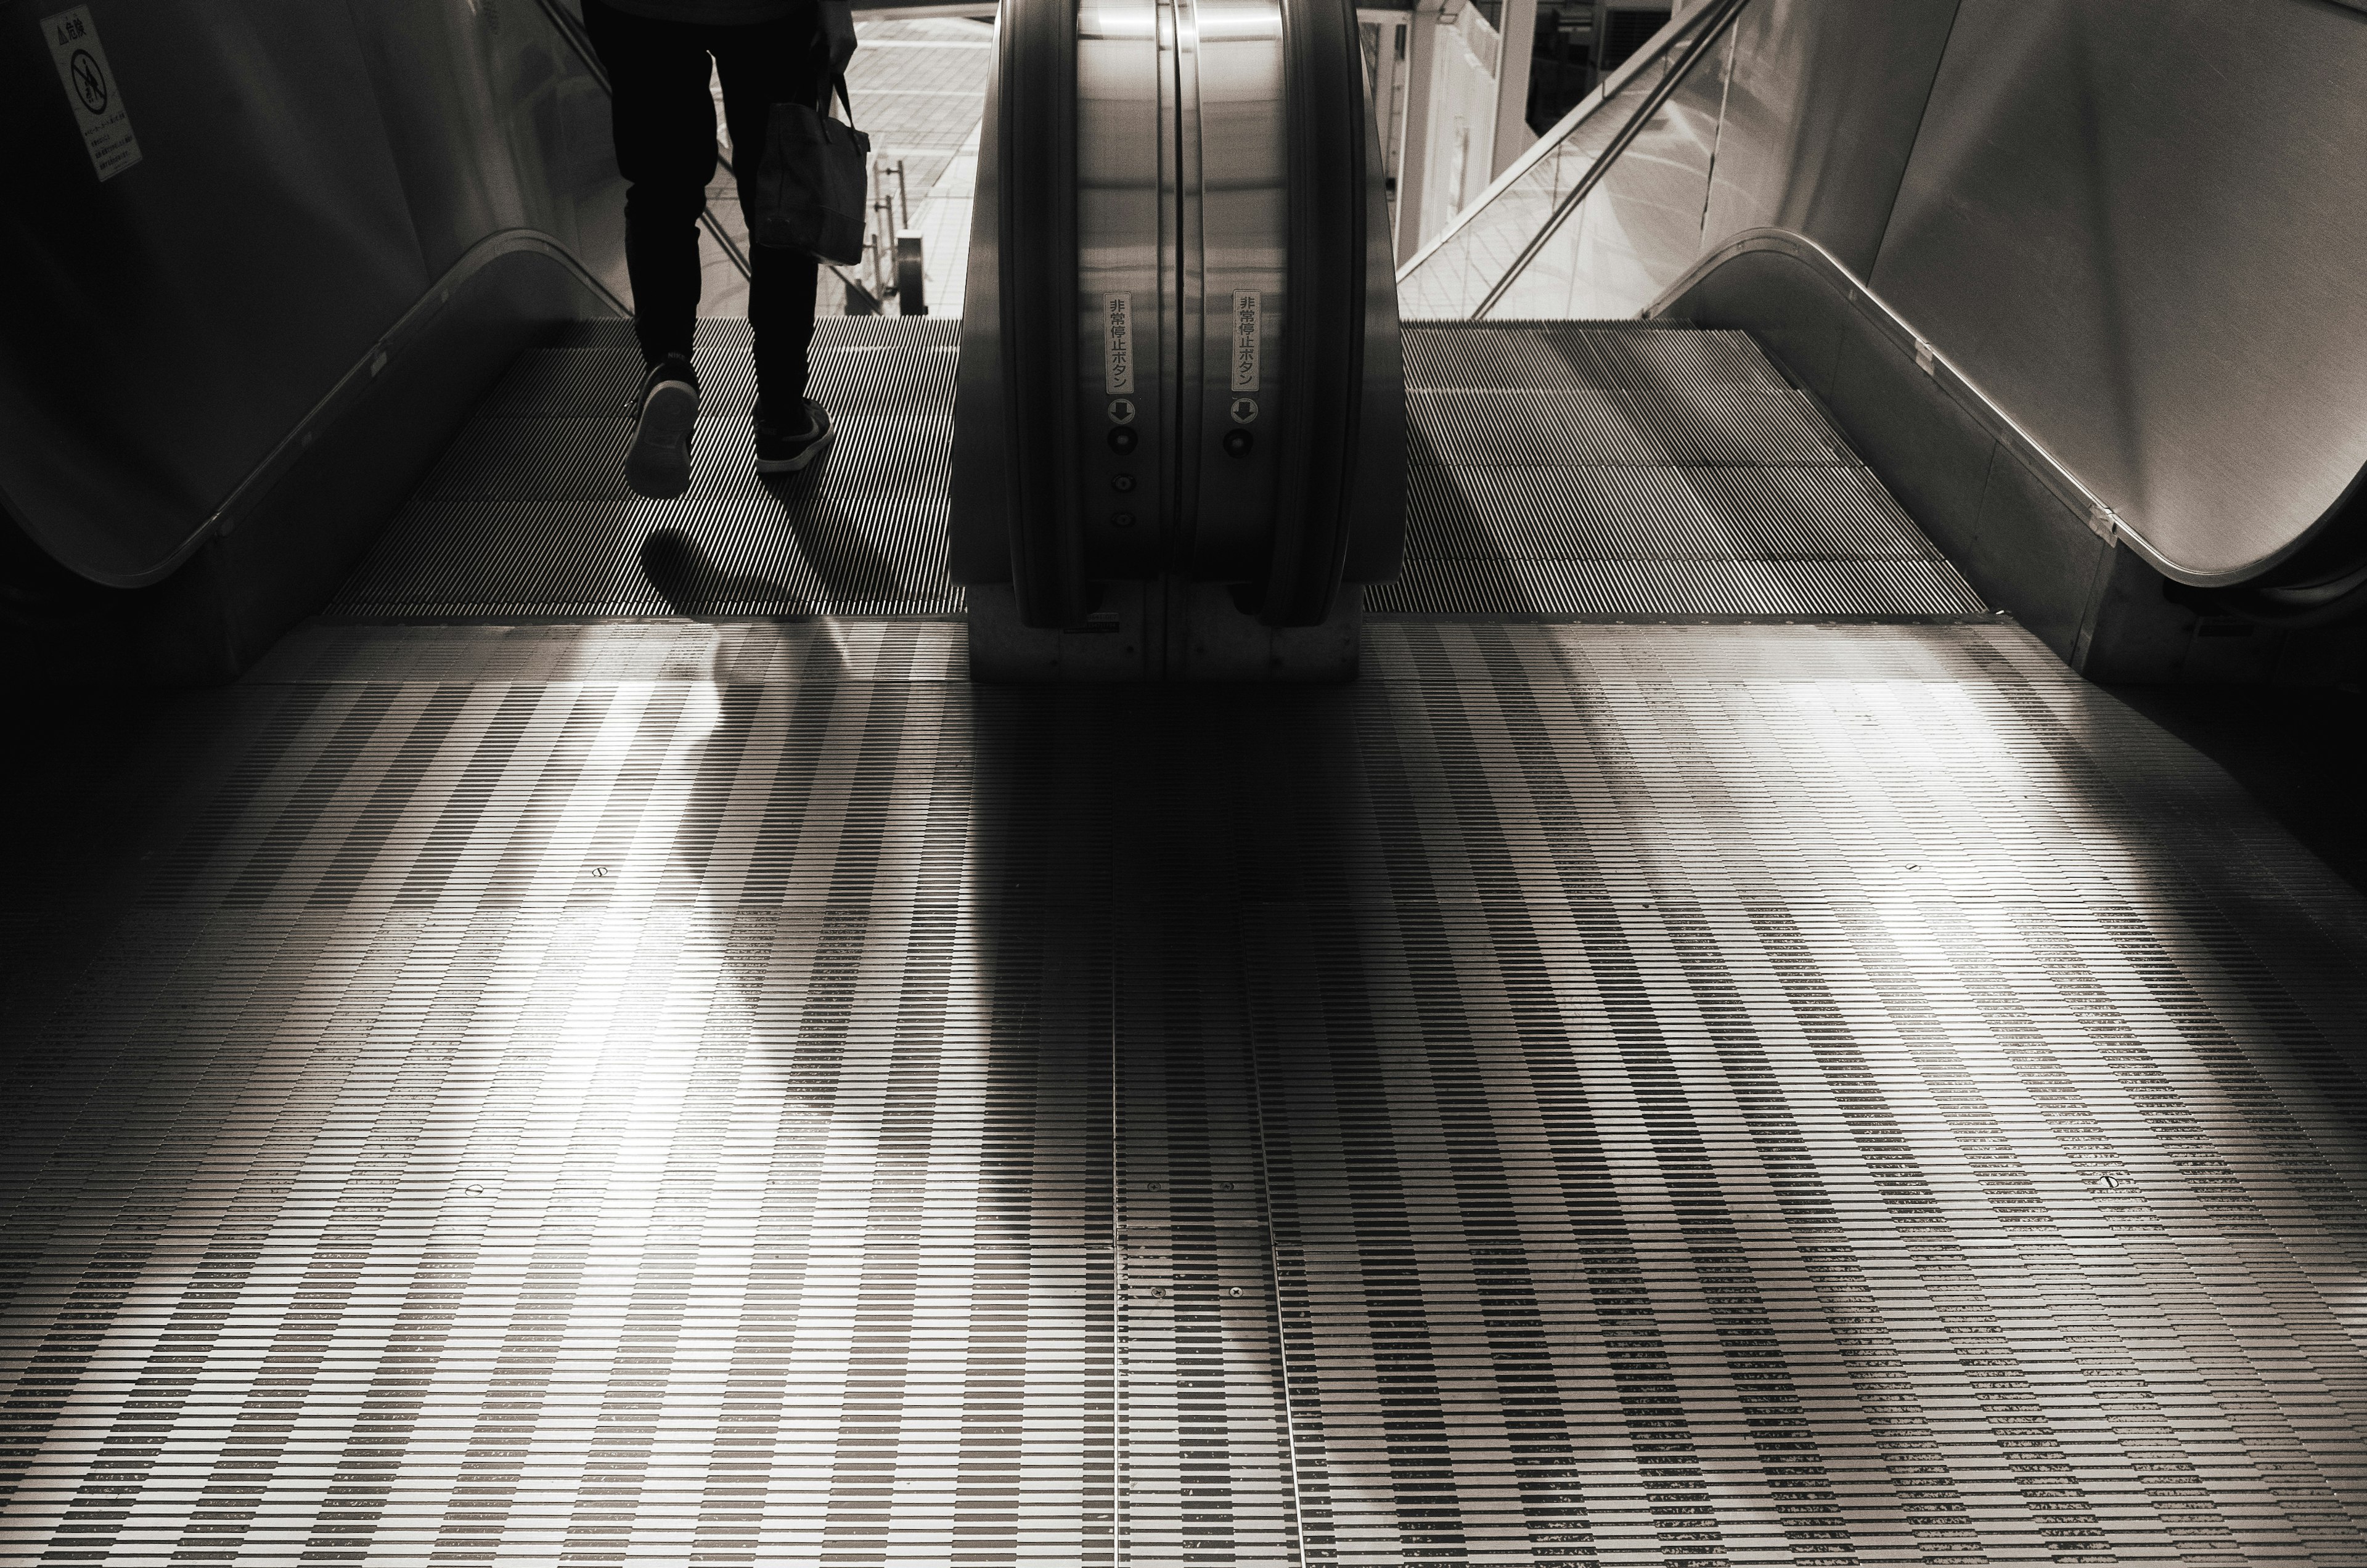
x: 658, y: 465
x: 782, y: 451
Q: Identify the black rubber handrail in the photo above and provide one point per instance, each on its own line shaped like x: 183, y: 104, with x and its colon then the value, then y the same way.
x: 1323, y: 322
x: 1036, y: 164
x: 1698, y: 45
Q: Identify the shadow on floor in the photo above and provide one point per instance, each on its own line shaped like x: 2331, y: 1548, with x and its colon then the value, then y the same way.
x: 851, y: 568
x: 2300, y: 754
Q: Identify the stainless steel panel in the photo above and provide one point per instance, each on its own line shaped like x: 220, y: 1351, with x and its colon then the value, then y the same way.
x: 1184, y: 201
x: 1120, y: 218
x: 1378, y: 524
x: 1820, y: 114
x: 1237, y: 123
x: 1184, y: 277
x: 2137, y: 228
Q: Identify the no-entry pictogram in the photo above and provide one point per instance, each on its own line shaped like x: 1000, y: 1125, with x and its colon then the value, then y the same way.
x: 89, y: 80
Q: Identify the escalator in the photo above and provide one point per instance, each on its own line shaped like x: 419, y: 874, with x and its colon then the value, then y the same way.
x: 1939, y: 225
x: 1599, y: 471
x: 725, y: 1030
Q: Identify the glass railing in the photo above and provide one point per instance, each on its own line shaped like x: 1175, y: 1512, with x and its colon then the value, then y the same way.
x: 1606, y: 210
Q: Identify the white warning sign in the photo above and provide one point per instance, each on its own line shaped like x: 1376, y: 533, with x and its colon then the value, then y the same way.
x: 91, y: 89
x: 1117, y: 344
x: 1245, y: 342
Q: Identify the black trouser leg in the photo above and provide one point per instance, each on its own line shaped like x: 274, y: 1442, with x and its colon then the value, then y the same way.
x: 773, y: 62
x: 781, y: 314
x: 665, y: 127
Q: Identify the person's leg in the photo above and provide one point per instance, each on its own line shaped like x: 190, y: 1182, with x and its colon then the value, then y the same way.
x: 664, y: 125
x: 781, y: 317
x: 760, y: 65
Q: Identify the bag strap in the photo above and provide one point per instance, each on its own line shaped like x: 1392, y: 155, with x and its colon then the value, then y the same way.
x: 838, y: 39
x: 836, y: 45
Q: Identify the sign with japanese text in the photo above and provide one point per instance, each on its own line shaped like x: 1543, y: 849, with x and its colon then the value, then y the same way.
x: 92, y: 90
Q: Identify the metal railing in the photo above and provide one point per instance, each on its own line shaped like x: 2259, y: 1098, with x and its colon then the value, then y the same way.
x: 1721, y: 17
x: 1470, y: 266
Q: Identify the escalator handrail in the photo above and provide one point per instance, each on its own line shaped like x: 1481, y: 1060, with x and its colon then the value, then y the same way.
x: 1323, y: 378
x: 1696, y: 49
x: 1036, y: 215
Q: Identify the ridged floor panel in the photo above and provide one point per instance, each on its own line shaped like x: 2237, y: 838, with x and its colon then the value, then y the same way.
x: 737, y: 1093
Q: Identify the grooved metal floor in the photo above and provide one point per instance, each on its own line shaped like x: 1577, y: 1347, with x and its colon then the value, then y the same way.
x: 1556, y: 471
x: 733, y: 1093
x: 1611, y: 471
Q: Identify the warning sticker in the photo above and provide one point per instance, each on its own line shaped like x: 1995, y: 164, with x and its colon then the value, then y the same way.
x: 91, y: 89
x: 1245, y: 342
x: 1117, y: 344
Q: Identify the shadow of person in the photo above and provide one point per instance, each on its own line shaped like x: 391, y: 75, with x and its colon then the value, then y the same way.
x: 677, y: 568
x: 846, y: 572
x: 688, y: 579
x: 839, y: 545
x: 976, y: 942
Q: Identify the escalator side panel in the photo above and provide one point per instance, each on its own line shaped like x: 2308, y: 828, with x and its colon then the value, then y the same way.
x: 1377, y: 518
x: 196, y: 310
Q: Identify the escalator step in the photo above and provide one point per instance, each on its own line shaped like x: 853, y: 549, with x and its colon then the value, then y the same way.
x: 1608, y: 471
x: 528, y: 516
x: 1638, y: 512
x: 1581, y: 427
x: 1652, y: 590
x: 1556, y: 471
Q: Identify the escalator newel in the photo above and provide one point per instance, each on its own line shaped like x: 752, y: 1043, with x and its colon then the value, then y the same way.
x: 1179, y: 438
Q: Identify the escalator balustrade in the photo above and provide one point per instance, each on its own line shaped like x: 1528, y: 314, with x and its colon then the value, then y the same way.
x: 1181, y: 403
